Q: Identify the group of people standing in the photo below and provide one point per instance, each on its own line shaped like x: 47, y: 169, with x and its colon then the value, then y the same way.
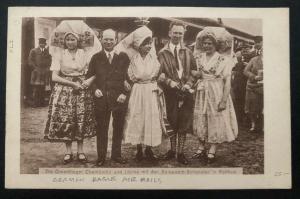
x: 149, y: 95
x: 247, y: 86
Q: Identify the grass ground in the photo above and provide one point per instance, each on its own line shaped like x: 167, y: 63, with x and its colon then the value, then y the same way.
x: 246, y: 151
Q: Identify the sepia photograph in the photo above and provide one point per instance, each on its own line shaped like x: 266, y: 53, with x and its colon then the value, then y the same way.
x: 142, y: 97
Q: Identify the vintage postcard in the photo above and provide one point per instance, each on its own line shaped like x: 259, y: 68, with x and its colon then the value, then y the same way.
x: 148, y: 98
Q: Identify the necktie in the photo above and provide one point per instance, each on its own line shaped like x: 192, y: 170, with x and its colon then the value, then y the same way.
x: 109, y: 58
x: 176, y: 57
x: 43, y: 52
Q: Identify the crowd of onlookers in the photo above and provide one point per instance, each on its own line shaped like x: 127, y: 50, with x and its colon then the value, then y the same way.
x: 247, y: 92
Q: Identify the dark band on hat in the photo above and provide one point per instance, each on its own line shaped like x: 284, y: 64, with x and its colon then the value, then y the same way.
x: 42, y: 40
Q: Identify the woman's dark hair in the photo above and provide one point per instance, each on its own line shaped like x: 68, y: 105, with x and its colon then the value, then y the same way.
x: 213, y: 39
x: 146, y: 41
x: 78, y: 42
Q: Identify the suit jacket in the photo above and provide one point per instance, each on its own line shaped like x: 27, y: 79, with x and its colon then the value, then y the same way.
x: 251, y: 71
x: 39, y: 63
x: 109, y: 78
x: 168, y: 67
x: 39, y: 60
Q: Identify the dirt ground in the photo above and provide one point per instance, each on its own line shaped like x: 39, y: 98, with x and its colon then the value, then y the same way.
x: 246, y: 151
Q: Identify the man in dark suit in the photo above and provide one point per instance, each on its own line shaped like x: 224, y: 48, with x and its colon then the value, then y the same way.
x: 110, y: 69
x: 39, y: 61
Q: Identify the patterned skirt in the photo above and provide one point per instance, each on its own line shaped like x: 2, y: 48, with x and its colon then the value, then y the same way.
x: 71, y: 114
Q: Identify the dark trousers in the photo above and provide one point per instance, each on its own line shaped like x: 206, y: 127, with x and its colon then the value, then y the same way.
x: 38, y: 95
x: 238, y: 99
x: 180, y: 118
x: 103, y: 119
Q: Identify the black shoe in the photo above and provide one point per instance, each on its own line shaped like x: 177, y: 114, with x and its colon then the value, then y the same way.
x: 212, y: 159
x: 200, y: 154
x: 34, y: 105
x: 81, y: 157
x: 119, y: 160
x: 139, y: 153
x: 100, y: 163
x: 149, y: 154
x: 169, y: 155
x: 44, y: 104
x: 252, y: 130
x: 182, y: 159
x: 68, y: 158
x: 139, y: 156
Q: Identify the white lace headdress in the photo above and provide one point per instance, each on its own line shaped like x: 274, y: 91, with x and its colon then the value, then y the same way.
x: 87, y: 40
x: 132, y: 42
x: 219, y: 33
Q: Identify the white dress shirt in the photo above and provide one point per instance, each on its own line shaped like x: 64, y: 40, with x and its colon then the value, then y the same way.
x: 172, y: 48
x: 111, y: 54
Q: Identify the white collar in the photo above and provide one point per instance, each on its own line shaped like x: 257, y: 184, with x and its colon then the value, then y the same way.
x: 212, y: 60
x: 111, y: 53
x: 172, y: 46
x: 67, y: 51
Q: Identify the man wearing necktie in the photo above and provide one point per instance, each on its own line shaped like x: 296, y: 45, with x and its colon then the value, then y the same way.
x: 177, y: 63
x: 39, y: 61
x: 110, y: 69
x: 176, y: 57
x: 109, y: 56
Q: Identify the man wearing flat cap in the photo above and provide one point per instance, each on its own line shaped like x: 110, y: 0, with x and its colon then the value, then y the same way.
x: 39, y: 61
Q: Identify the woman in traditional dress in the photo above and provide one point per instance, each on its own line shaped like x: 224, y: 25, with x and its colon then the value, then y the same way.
x: 70, y: 116
x: 214, y: 116
x: 144, y: 121
x: 254, y: 91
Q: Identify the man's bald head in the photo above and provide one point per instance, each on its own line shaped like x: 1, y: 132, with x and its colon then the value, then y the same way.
x: 109, y: 39
x: 109, y: 33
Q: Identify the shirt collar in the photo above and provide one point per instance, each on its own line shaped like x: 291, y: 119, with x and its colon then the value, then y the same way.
x: 167, y: 48
x: 172, y: 46
x: 111, y: 53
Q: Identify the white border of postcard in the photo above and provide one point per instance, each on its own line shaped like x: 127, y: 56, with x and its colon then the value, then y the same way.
x: 277, y: 143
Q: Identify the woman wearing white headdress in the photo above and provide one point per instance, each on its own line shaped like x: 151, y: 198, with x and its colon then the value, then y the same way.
x: 144, y: 120
x: 70, y: 115
x: 225, y: 43
x: 214, y: 115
